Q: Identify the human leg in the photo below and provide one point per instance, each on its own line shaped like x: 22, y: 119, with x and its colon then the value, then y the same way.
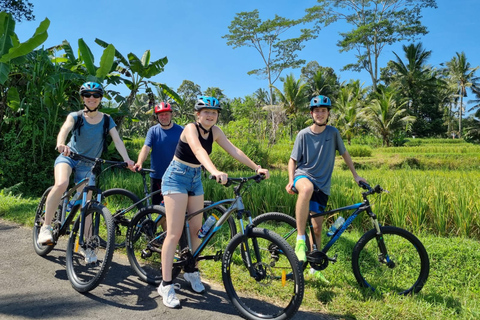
x: 305, y: 190
x: 62, y: 173
x: 195, y: 203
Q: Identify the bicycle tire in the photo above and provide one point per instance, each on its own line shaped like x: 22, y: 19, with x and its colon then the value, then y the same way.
x: 284, y: 225
x: 404, y: 249
x: 267, y: 293
x: 144, y: 254
x: 41, y: 250
x: 116, y: 200
x: 84, y: 276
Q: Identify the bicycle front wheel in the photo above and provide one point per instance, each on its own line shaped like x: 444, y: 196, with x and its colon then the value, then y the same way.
x: 262, y: 284
x: 88, y: 265
x: 403, y: 270
x: 41, y: 250
x: 117, y: 201
x: 145, y: 237
x: 283, y: 225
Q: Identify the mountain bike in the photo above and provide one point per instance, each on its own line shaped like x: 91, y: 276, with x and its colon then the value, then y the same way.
x: 124, y: 204
x: 254, y: 274
x: 385, y: 259
x: 98, y: 236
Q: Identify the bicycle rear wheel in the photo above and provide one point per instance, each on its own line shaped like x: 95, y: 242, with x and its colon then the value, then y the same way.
x: 405, y: 269
x: 41, y: 250
x: 283, y: 225
x: 145, y: 238
x: 263, y: 290
x: 85, y: 276
x: 117, y: 200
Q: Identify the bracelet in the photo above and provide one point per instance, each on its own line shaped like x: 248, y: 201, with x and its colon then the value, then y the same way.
x: 258, y: 167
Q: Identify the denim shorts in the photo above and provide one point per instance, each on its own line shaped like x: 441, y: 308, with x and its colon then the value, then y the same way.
x: 81, y: 168
x: 180, y: 178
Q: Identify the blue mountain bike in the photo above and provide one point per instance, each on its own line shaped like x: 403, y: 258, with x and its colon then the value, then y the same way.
x: 385, y: 259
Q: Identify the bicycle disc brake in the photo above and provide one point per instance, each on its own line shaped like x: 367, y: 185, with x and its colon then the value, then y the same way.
x: 318, y: 260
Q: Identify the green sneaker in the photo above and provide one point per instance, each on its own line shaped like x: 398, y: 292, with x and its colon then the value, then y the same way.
x: 300, y: 250
x: 316, y: 274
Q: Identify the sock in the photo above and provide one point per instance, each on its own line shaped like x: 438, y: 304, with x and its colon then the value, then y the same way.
x: 299, y: 237
x: 166, y: 283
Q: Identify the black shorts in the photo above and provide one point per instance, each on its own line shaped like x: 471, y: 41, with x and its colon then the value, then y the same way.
x: 318, y: 201
x: 156, y: 184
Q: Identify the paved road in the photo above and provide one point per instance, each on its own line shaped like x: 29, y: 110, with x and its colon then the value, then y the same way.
x: 32, y: 287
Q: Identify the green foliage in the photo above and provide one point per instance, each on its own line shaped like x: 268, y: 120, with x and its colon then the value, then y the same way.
x: 360, y: 151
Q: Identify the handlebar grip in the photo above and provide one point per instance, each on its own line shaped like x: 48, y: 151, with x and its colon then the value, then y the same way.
x: 364, y: 185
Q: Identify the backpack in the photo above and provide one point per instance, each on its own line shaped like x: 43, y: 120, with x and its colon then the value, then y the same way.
x: 79, y: 123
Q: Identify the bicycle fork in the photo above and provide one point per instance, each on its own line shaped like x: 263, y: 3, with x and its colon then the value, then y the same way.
x: 383, y: 256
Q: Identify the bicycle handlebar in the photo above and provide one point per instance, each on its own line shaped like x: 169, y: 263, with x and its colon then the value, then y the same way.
x: 76, y: 156
x: 144, y: 171
x: 257, y: 178
x: 376, y: 189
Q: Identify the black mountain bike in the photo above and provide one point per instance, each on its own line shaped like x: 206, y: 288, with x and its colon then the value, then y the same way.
x: 261, y: 283
x: 385, y: 259
x: 124, y: 204
x: 98, y: 234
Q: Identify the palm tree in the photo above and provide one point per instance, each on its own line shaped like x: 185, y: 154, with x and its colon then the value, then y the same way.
x: 463, y: 74
x: 293, y: 98
x: 347, y: 107
x: 386, y: 115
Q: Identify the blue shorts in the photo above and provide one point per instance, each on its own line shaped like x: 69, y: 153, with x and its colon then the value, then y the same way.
x: 180, y: 178
x: 319, y: 199
x: 81, y: 168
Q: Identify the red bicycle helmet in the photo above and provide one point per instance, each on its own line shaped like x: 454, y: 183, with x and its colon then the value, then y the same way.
x: 163, y: 107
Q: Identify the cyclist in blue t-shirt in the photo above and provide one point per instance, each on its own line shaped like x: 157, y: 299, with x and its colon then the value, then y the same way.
x: 162, y: 139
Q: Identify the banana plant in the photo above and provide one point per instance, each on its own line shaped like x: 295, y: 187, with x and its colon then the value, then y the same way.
x: 139, y: 71
x: 85, y: 63
x: 12, y: 52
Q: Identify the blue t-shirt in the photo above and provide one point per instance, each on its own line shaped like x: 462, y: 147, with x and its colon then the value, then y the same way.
x: 90, y: 141
x: 315, y: 155
x: 163, y: 143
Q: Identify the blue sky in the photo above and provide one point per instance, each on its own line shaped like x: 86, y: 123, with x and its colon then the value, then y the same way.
x: 189, y: 33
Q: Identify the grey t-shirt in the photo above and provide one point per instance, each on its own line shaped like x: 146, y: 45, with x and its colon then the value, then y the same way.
x: 90, y: 141
x: 315, y: 155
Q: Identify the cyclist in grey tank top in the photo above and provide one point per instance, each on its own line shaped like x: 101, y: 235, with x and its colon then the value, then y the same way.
x: 310, y: 171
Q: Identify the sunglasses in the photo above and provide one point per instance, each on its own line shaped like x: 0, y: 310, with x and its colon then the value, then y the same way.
x: 88, y: 95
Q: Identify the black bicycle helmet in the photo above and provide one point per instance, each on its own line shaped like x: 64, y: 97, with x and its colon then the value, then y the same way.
x: 92, y: 87
x: 205, y: 102
x: 320, y: 101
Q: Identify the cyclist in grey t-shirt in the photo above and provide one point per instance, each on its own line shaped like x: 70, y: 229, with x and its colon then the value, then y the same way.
x: 310, y: 171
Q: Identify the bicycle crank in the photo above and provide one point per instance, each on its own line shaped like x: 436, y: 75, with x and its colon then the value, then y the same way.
x: 319, y: 260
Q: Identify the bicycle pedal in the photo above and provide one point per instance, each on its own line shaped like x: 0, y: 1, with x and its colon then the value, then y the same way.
x: 334, y: 259
x: 218, y: 255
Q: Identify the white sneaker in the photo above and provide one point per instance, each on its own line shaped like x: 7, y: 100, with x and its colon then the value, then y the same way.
x: 89, y: 255
x: 169, y: 297
x: 195, y: 282
x: 45, y: 235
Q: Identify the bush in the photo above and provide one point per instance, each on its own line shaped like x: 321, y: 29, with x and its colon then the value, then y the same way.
x: 360, y: 151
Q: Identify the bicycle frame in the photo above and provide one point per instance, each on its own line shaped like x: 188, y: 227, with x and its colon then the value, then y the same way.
x: 358, y: 207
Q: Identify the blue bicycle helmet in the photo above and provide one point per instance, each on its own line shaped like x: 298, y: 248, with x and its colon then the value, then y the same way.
x: 92, y: 87
x: 205, y: 102
x: 320, y: 101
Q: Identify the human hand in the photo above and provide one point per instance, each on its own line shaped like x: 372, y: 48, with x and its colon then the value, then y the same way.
x: 131, y: 165
x: 221, y: 177
x: 137, y: 166
x: 289, y: 188
x: 63, y: 149
x: 358, y: 179
x: 265, y: 172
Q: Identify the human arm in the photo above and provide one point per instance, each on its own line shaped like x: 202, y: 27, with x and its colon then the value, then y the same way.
x: 348, y: 160
x: 62, y: 136
x: 238, y: 154
x: 292, y: 164
x: 142, y: 156
x: 120, y: 146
